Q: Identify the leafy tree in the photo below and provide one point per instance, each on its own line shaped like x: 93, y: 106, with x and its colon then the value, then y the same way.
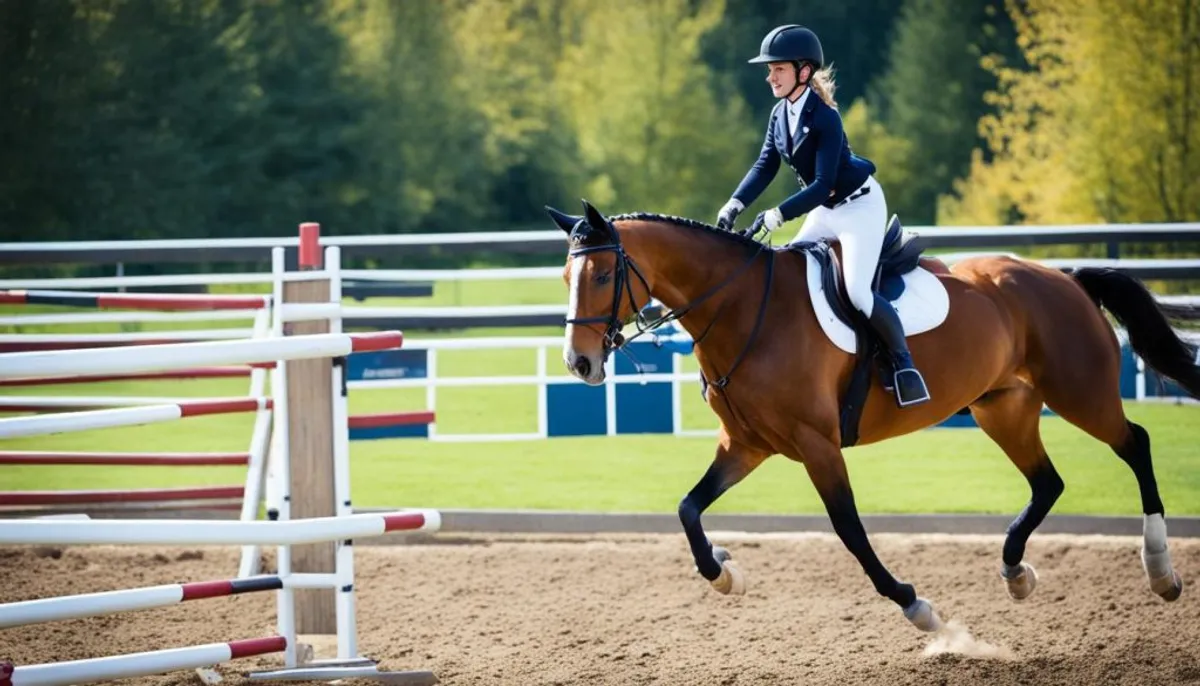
x: 931, y: 96
x: 1103, y: 127
x: 651, y: 133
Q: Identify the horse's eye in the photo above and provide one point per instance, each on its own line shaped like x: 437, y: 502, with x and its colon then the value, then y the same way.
x: 603, y: 278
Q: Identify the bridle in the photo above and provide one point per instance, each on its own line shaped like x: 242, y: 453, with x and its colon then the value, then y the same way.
x: 612, y: 339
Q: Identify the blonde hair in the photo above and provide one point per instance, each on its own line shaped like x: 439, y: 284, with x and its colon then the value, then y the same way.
x: 823, y: 84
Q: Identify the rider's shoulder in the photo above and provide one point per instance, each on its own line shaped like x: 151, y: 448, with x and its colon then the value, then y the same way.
x: 825, y: 116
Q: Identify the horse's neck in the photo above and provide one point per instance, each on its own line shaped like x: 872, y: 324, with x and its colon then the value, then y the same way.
x: 683, y: 265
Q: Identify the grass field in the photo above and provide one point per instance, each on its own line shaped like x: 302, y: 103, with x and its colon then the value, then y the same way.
x: 940, y: 470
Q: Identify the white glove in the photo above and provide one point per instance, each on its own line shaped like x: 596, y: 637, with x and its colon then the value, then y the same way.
x: 729, y: 213
x: 772, y: 219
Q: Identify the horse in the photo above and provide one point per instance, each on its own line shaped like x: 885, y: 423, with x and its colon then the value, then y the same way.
x: 1015, y: 336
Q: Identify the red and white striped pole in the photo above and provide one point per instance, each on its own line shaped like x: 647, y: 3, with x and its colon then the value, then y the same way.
x: 216, y: 532
x: 59, y: 422
x: 94, y: 604
x: 135, y: 301
x: 138, y: 664
x: 60, y: 363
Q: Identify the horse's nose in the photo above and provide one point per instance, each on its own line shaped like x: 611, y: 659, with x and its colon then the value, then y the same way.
x: 583, y: 366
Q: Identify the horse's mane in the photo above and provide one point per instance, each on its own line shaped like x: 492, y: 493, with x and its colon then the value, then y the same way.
x: 744, y: 241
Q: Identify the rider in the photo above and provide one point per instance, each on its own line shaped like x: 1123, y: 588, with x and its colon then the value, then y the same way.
x: 838, y: 191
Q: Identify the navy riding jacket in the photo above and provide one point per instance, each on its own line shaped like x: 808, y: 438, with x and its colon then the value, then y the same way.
x: 817, y: 152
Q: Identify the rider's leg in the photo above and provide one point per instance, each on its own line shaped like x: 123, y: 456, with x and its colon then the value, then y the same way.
x: 815, y: 227
x: 860, y: 225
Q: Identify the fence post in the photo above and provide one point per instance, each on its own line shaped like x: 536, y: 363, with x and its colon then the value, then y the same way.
x: 310, y: 433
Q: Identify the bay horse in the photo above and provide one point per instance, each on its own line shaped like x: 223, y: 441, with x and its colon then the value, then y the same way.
x: 1017, y: 335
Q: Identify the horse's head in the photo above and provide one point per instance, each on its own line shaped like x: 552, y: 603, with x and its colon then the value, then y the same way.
x: 602, y: 295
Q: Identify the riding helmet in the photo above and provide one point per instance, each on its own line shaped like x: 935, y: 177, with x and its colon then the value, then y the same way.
x: 791, y: 43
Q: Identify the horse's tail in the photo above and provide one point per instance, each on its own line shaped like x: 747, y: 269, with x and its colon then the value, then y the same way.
x: 1150, y: 332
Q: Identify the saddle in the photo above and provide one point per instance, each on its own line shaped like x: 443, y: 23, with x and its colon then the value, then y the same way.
x: 900, y: 254
x: 896, y: 275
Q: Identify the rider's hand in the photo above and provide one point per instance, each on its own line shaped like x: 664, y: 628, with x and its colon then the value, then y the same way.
x: 770, y: 220
x: 729, y: 214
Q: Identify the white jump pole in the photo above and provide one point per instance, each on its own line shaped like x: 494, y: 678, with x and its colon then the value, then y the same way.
x: 60, y: 363
x: 347, y: 637
x: 93, y: 604
x: 280, y: 483
x: 141, y: 664
x: 260, y: 443
x: 205, y: 532
x: 40, y: 425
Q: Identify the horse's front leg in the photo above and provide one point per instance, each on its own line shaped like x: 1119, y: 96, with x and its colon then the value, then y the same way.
x: 732, y: 463
x: 825, y: 465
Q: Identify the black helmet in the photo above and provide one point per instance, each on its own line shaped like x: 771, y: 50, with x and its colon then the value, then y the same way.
x: 791, y: 43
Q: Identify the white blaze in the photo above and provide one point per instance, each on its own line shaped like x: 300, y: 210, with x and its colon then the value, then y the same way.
x: 572, y: 306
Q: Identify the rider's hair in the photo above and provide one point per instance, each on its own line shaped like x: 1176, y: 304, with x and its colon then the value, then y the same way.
x: 823, y: 84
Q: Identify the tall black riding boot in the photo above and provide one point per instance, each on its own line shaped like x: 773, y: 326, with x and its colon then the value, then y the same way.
x: 909, y: 385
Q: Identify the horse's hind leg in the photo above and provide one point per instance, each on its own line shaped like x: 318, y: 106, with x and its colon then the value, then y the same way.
x: 1102, y: 416
x: 1010, y: 417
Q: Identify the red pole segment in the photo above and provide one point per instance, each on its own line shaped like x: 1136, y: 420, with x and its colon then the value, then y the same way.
x: 215, y: 589
x: 204, y: 407
x: 197, y: 373
x: 377, y: 340
x: 373, y: 421
x: 407, y: 521
x: 310, y: 246
x: 11, y: 498
x: 125, y: 459
x: 135, y: 301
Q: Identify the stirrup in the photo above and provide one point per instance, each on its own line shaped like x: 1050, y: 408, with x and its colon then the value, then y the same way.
x: 910, y: 387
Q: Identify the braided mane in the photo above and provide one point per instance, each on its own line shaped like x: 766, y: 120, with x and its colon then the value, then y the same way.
x: 745, y: 241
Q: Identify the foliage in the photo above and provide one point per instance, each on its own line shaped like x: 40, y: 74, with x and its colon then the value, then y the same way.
x: 1102, y: 127
x: 169, y: 119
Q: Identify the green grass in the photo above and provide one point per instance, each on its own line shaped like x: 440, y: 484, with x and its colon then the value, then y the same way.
x: 941, y: 470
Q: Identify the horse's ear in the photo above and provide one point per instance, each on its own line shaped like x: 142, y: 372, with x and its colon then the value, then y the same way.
x: 564, y: 221
x: 595, y: 219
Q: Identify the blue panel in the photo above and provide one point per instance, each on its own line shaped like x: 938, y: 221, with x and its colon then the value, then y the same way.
x: 403, y: 431
x: 966, y: 421
x: 1129, y: 374
x: 651, y: 358
x: 644, y: 408
x: 387, y: 364
x: 575, y: 410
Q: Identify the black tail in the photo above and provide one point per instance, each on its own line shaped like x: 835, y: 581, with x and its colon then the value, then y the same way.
x: 1150, y: 332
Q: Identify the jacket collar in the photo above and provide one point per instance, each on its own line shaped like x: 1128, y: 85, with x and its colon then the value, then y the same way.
x: 809, y: 103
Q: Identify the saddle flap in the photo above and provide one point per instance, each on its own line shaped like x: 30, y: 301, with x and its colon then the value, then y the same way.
x: 922, y: 304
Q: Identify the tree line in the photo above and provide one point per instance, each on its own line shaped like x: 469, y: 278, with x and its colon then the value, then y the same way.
x: 128, y: 119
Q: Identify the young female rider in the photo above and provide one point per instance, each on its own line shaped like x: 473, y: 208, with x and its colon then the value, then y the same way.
x: 838, y: 192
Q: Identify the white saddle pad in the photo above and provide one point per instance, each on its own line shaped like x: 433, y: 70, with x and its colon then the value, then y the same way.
x: 922, y: 306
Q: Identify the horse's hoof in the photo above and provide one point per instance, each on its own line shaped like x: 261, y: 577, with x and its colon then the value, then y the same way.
x: 1169, y: 587
x: 731, y: 581
x: 1021, y: 585
x: 923, y: 616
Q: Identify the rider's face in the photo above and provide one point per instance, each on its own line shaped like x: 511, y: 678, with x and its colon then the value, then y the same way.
x: 782, y: 78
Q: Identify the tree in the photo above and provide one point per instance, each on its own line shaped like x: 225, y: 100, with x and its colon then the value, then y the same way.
x: 652, y: 136
x: 932, y: 96
x: 1104, y: 125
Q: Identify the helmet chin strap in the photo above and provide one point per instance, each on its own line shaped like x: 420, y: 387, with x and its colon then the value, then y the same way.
x: 798, y: 84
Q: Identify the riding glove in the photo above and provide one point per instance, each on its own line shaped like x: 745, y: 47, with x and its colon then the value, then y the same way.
x: 729, y: 213
x: 769, y: 219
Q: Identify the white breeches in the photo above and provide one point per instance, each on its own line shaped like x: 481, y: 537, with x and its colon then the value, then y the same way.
x: 859, y: 226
